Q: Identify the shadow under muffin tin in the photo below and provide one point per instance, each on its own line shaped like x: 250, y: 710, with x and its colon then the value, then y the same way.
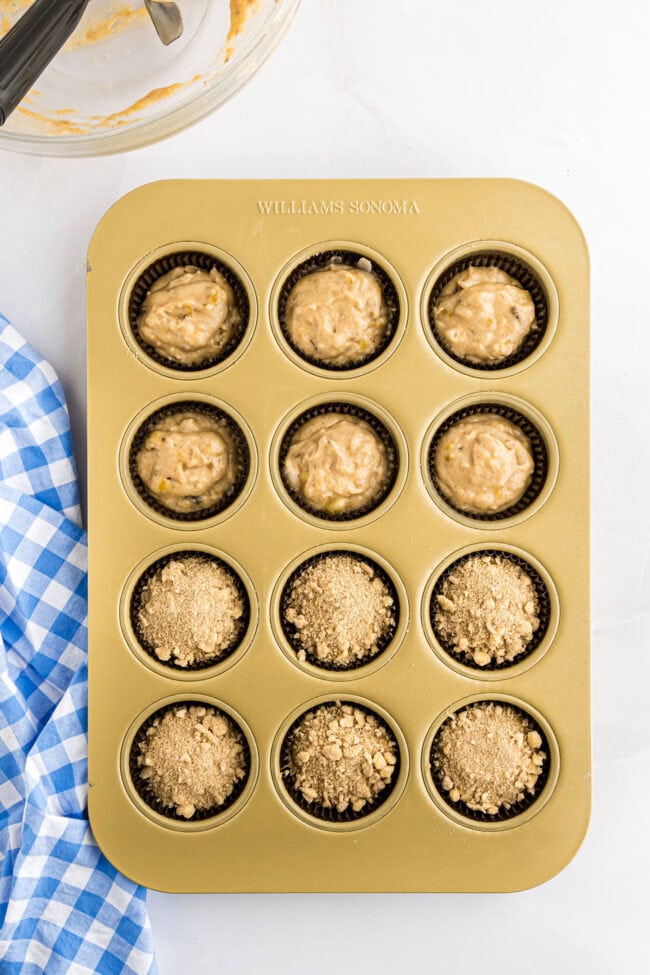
x: 400, y: 391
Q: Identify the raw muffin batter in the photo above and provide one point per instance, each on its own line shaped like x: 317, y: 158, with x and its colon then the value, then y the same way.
x: 191, y: 759
x: 337, y: 463
x: 188, y: 461
x: 483, y: 315
x: 338, y: 314
x: 487, y: 610
x: 189, y: 315
x: 484, y: 464
x: 341, y: 757
x: 340, y: 609
x: 488, y: 756
x: 190, y: 611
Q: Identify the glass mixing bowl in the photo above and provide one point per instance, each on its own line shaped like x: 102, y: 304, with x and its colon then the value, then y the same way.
x: 116, y: 87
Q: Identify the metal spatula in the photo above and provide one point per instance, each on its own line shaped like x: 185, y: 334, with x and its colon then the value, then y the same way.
x: 167, y: 19
x: 27, y: 49
x: 30, y: 45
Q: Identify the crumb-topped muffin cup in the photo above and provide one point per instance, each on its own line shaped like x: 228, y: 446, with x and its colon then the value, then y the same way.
x: 224, y: 428
x: 143, y: 795
x: 287, y: 633
x: 383, y: 437
x: 504, y: 818
x: 237, y: 320
x: 329, y: 817
x: 132, y: 597
x: 530, y: 276
x: 532, y: 431
x: 547, y: 610
x: 390, y: 291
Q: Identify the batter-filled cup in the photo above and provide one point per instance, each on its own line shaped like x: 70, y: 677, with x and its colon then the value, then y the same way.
x: 338, y: 310
x: 188, y: 311
x: 488, y: 310
x: 507, y: 464
x: 338, y: 461
x: 189, y: 460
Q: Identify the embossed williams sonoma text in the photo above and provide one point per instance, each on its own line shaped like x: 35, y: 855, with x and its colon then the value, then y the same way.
x: 306, y: 208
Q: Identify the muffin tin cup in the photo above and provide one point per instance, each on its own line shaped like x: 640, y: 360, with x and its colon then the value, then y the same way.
x: 544, y: 447
x: 150, y: 806
x: 323, y: 255
x: 146, y: 654
x: 379, y: 421
x: 549, y: 612
x: 517, y: 815
x: 528, y: 271
x: 240, y: 435
x: 331, y: 819
x: 160, y: 262
x: 389, y: 645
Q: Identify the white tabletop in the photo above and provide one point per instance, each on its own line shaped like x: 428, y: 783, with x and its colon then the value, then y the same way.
x: 557, y: 94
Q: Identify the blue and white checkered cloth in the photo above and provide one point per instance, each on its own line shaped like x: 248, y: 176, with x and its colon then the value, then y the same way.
x: 63, y: 907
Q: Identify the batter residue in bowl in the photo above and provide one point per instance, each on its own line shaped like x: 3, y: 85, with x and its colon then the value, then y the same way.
x: 94, y: 30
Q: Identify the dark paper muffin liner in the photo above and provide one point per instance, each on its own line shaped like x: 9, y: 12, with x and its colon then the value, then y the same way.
x: 291, y: 632
x: 525, y: 276
x: 205, y: 262
x: 137, y: 597
x: 538, y: 450
x: 543, y: 610
x: 383, y: 433
x: 332, y: 815
x: 318, y: 262
x: 239, y: 445
x: 503, y: 814
x: 147, y: 795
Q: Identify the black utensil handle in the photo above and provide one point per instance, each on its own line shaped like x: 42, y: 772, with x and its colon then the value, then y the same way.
x: 27, y: 49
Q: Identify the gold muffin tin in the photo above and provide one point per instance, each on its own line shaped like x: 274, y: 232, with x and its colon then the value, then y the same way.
x: 415, y: 841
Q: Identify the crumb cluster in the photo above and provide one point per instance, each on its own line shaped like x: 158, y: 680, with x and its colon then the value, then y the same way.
x: 339, y: 609
x: 341, y: 757
x: 191, y: 758
x: 487, y: 610
x: 191, y: 611
x: 488, y: 756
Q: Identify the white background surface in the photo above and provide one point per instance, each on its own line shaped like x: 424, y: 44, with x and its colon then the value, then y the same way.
x: 558, y: 94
